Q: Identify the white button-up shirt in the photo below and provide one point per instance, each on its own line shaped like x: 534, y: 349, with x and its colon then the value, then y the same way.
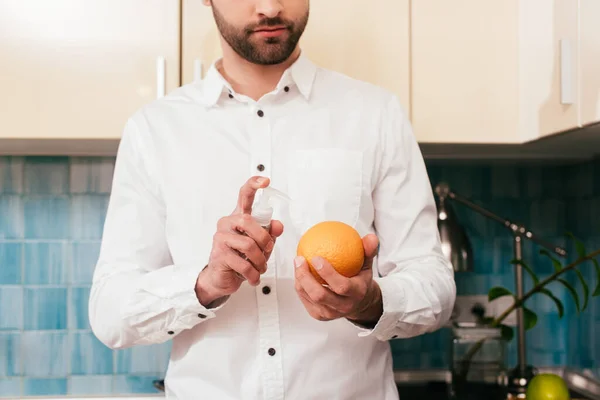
x: 342, y: 150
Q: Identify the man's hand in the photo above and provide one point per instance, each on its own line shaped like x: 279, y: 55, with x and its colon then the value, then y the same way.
x: 241, y: 248
x: 357, y: 298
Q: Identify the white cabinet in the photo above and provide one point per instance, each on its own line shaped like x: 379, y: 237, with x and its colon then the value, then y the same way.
x: 493, y: 71
x: 589, y: 61
x: 74, y: 69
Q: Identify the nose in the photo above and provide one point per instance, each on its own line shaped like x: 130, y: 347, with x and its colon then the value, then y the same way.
x: 269, y: 8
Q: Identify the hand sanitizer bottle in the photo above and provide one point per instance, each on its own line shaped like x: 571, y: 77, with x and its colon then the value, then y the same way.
x: 262, y: 212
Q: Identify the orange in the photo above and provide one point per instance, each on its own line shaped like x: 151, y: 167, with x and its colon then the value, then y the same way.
x: 338, y: 243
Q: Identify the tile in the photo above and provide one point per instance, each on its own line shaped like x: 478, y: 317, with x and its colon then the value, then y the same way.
x: 89, y: 356
x: 11, y: 308
x: 45, y: 263
x: 45, y: 308
x: 505, y: 182
x: 11, y: 175
x: 141, y: 360
x: 134, y: 384
x: 46, y: 175
x: 78, y: 308
x: 547, y: 217
x: 10, y: 355
x: 406, y: 361
x: 45, y: 354
x: 47, y: 217
x: 79, y: 385
x: 11, y: 255
x: 83, y: 259
x: 41, y: 387
x: 88, y: 213
x: 10, y: 387
x: 12, y: 222
x: 91, y: 175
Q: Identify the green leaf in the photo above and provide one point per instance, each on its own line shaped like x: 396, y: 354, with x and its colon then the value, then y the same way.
x: 530, y: 318
x: 507, y: 332
x: 597, y: 266
x: 579, y: 246
x: 572, y: 291
x: 559, y: 304
x: 586, y: 289
x: 528, y: 269
x: 557, y: 264
x: 497, y: 292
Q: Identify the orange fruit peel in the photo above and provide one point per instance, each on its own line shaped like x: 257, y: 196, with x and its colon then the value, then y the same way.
x: 338, y: 243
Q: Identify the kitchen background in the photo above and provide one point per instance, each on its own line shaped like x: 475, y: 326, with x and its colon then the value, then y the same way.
x: 53, y: 209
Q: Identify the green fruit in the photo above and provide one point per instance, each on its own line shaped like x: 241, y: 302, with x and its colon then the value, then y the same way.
x: 547, y: 387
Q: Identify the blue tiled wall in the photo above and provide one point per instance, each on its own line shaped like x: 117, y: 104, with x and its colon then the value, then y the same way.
x: 52, y: 211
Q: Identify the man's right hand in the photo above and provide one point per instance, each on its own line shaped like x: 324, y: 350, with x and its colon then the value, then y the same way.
x: 241, y: 248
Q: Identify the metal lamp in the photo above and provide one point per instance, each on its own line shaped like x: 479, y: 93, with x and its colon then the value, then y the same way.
x: 457, y: 248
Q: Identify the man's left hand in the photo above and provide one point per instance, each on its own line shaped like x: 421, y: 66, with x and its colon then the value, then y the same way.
x: 357, y: 298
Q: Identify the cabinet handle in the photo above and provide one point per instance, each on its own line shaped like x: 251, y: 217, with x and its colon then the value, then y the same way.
x: 197, y: 70
x: 566, y: 72
x: 160, y: 77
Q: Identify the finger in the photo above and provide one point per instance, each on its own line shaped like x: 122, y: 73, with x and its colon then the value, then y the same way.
x: 318, y: 312
x: 316, y: 292
x: 244, y: 223
x: 337, y: 282
x: 247, y: 247
x: 371, y: 246
x: 247, y: 193
x: 243, y: 268
x: 276, y: 228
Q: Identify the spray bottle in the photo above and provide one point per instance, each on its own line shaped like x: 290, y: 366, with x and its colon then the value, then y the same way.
x: 262, y: 212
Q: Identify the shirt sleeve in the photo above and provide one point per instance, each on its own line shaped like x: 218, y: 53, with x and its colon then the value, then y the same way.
x: 416, y: 280
x: 138, y: 296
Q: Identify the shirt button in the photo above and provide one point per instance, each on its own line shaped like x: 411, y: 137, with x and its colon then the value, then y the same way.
x: 287, y: 89
x: 260, y: 113
x: 260, y: 167
x: 271, y: 351
x: 266, y: 290
x: 230, y: 96
x: 201, y: 316
x: 171, y: 333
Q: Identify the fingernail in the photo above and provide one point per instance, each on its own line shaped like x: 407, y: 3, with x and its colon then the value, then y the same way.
x: 298, y: 261
x: 317, y: 263
x: 261, y: 180
x: 269, y: 246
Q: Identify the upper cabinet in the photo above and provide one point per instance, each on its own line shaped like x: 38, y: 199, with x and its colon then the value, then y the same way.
x: 370, y: 43
x: 466, y: 71
x: 589, y: 58
x: 498, y: 71
x: 75, y: 69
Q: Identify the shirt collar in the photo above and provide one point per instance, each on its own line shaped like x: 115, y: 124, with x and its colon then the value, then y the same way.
x: 301, y: 74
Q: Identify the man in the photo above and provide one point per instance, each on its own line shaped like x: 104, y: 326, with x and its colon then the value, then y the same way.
x: 247, y: 319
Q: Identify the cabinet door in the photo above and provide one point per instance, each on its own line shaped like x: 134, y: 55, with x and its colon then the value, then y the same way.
x: 492, y: 71
x: 465, y: 71
x: 590, y: 61
x: 77, y: 69
x: 200, y: 40
x: 367, y: 42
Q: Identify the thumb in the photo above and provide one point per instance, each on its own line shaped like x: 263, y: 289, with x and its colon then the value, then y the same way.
x: 371, y: 246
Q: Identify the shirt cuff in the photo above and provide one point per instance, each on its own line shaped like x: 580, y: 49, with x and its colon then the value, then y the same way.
x: 176, y: 286
x: 393, y: 298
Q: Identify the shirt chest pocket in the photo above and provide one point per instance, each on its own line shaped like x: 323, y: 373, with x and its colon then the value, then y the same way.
x: 325, y: 184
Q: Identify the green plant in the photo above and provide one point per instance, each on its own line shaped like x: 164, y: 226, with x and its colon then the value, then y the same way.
x: 539, y: 287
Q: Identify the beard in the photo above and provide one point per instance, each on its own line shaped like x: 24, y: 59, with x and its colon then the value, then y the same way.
x: 262, y: 51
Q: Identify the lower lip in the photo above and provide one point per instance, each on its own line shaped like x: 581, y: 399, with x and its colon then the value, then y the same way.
x: 274, y: 33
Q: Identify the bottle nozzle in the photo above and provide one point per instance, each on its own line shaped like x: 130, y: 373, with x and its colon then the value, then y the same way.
x: 262, y: 211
